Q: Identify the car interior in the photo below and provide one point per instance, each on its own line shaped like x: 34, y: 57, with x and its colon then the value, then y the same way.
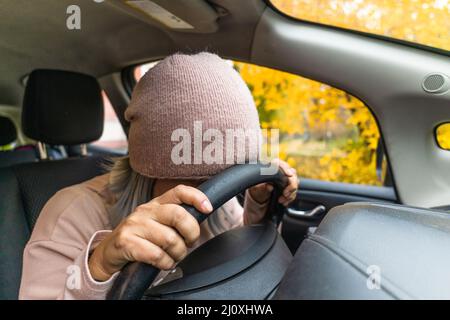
x: 331, y: 236
x: 9, y: 135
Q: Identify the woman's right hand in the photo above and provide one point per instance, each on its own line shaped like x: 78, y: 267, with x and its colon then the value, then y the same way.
x: 157, y: 233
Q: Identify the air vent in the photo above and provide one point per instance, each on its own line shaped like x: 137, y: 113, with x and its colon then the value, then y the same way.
x: 436, y: 83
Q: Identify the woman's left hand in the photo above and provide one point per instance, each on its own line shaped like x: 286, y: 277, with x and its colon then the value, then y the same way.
x: 261, y: 193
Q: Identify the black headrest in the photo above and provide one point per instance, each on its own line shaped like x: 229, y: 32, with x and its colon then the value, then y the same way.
x: 62, y: 108
x: 8, y: 132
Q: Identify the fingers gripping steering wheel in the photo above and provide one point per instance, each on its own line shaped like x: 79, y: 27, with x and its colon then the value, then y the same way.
x: 136, y: 277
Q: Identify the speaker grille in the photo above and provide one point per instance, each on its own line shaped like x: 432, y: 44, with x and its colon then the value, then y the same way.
x: 434, y: 82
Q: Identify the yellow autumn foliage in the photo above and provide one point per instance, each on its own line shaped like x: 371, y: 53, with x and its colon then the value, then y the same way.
x: 443, y: 136
x: 423, y: 21
x: 326, y: 133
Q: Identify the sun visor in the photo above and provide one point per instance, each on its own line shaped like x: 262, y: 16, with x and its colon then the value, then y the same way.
x: 194, y: 16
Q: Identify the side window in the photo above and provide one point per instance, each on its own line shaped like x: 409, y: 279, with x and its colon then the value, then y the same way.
x: 325, y: 133
x: 113, y: 137
x: 139, y: 71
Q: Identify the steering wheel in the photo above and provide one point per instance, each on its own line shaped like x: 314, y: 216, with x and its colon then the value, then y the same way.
x: 136, y: 277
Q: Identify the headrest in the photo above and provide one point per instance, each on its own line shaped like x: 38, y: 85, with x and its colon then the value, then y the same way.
x: 8, y: 132
x: 62, y: 108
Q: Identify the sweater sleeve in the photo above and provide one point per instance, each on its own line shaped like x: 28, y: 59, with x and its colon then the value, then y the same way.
x: 55, y: 261
x: 54, y: 270
x: 80, y: 285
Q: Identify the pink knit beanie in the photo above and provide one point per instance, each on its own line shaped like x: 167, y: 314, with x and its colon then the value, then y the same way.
x: 183, y: 115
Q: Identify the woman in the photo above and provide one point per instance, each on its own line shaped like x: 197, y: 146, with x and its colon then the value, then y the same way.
x: 88, y: 232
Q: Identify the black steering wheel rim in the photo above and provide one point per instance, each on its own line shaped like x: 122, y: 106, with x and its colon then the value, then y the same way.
x: 136, y: 277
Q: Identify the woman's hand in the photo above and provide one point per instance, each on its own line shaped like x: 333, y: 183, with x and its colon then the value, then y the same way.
x: 261, y: 193
x: 157, y: 233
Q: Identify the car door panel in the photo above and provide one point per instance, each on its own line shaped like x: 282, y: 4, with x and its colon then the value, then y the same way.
x: 315, y: 193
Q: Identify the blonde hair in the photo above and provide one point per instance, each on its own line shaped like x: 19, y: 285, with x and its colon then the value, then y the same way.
x: 130, y: 189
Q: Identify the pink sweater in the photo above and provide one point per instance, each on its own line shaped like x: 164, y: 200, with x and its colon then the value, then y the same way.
x: 74, y: 221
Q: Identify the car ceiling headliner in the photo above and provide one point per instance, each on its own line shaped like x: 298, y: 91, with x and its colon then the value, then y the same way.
x: 33, y: 34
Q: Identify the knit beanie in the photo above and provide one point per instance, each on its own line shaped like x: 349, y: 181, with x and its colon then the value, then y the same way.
x: 191, y: 116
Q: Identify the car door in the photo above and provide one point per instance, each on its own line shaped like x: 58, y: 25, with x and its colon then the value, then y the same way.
x: 316, y: 198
